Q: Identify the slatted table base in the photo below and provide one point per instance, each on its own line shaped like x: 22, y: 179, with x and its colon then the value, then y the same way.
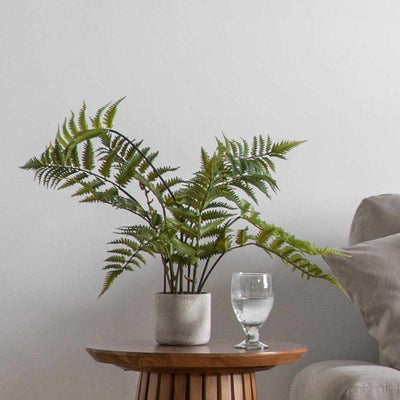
x: 166, y: 386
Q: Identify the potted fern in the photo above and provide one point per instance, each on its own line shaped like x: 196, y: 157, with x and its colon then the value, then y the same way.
x: 190, y: 224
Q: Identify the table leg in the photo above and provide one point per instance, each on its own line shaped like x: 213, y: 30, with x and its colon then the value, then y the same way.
x: 166, y: 386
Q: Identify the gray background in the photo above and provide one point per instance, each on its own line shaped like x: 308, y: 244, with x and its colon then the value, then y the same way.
x: 319, y: 70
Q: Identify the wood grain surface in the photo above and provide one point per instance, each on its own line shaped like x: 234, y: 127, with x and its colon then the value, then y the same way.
x: 218, y: 356
x: 153, y: 386
x: 216, y: 371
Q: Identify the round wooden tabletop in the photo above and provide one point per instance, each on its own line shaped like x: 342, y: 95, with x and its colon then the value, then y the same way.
x: 218, y: 355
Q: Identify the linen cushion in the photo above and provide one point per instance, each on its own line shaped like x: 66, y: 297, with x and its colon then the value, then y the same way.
x: 376, y: 216
x: 371, y: 276
x: 346, y: 380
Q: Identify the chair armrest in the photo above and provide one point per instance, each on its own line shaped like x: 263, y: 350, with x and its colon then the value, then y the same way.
x: 346, y: 380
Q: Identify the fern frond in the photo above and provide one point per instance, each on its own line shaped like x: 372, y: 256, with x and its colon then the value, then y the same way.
x: 89, y: 187
x: 79, y: 177
x: 211, y: 228
x: 209, y: 250
x: 88, y: 156
x: 265, y: 234
x: 96, y: 120
x: 60, y: 138
x: 162, y: 187
x: 65, y: 132
x: 280, y: 149
x: 108, y: 160
x: 110, y: 277
x: 215, y: 214
x: 154, y: 174
x: 190, y: 224
x: 126, y: 171
x: 73, y: 127
x: 140, y: 232
x: 83, y: 126
x: 184, y: 250
x: 188, y: 230
x: 242, y: 185
x: 33, y: 164
x: 116, y: 259
x: 147, y: 163
x: 134, y: 246
x: 74, y: 157
x: 110, y: 113
x: 219, y: 204
x: 183, y: 213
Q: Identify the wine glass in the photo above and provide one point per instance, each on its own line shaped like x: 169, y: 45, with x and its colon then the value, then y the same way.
x: 252, y: 300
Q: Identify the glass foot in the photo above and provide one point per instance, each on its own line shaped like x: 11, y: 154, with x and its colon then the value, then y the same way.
x: 251, y: 345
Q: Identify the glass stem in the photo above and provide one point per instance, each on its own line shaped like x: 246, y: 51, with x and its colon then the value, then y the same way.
x: 252, y: 334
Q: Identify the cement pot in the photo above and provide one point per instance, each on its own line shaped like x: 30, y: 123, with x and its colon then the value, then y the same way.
x: 183, y: 319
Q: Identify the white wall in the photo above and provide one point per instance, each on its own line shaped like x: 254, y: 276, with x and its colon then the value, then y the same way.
x: 326, y: 71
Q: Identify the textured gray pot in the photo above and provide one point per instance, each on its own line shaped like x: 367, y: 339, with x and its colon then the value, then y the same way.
x: 183, y: 319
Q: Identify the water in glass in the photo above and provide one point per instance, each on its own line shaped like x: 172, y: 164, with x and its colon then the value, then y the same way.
x: 252, y: 301
x: 252, y: 312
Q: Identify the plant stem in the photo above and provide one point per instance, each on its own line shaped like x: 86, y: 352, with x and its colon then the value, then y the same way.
x: 167, y: 278
x: 173, y: 277
x: 204, y: 280
x: 180, y: 278
x: 195, y: 267
x: 200, y: 285
x: 189, y: 268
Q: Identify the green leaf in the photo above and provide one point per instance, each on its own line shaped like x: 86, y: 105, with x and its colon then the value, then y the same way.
x: 108, y: 160
x: 88, y: 156
x: 276, y: 244
x: 77, y: 179
x: 127, y: 170
x: 184, y: 249
x: 126, y: 242
x: 265, y: 234
x: 211, y: 228
x: 281, y: 148
x: 242, y: 236
x: 183, y: 213
x: 96, y: 121
x: 287, y: 251
x: 189, y: 224
x: 110, y: 113
x: 33, y: 164
x: 82, y: 137
x: 83, y: 126
x: 110, y: 277
x: 73, y: 128
x: 116, y: 259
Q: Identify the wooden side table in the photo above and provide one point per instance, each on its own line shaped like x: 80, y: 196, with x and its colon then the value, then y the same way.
x: 216, y: 371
